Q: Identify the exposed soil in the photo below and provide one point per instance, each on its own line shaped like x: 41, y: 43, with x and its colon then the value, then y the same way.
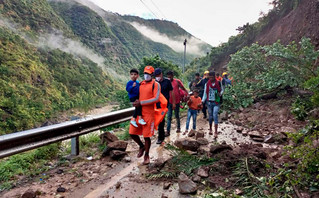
x: 300, y: 22
x: 103, y: 177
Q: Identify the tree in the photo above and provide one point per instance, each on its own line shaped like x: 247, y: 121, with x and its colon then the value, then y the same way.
x: 157, y: 62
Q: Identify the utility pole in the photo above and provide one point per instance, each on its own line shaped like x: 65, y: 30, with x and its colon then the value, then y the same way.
x: 185, y: 41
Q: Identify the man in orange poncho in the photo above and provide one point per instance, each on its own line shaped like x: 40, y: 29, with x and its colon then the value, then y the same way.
x: 149, y: 95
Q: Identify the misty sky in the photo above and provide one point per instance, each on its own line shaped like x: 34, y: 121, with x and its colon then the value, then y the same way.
x: 212, y: 21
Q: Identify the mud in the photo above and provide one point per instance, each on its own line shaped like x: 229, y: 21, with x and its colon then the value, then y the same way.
x: 107, y: 178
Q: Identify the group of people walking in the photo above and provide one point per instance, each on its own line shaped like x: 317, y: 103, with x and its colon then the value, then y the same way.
x: 206, y: 94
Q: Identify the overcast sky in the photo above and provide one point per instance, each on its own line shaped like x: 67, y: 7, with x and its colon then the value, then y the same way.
x: 212, y: 21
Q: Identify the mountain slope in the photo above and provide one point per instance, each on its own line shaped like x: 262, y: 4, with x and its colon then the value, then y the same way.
x: 57, y: 55
x: 287, y: 21
x: 35, y: 84
x: 302, y: 21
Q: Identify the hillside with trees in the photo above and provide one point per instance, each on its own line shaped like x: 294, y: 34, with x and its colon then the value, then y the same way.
x: 62, y: 55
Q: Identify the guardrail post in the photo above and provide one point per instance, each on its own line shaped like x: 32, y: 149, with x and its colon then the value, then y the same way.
x: 75, y: 142
x: 75, y: 146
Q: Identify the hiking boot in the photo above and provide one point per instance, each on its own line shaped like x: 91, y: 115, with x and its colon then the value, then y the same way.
x: 178, y: 130
x: 167, y: 134
x: 159, y: 142
x: 140, y: 152
x: 133, y: 122
x: 141, y: 121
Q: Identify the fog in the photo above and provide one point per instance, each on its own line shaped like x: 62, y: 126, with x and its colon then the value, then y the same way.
x: 192, y: 47
x: 58, y: 41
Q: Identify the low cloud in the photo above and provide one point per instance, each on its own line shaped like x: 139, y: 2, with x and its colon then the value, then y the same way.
x: 58, y: 41
x: 193, y: 44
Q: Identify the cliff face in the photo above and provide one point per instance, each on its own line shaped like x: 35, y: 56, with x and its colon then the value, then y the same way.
x: 286, y: 26
x: 300, y: 22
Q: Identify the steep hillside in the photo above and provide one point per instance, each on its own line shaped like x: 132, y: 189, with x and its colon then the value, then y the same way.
x: 33, y: 16
x: 35, y: 84
x: 300, y: 22
x: 287, y: 21
x: 57, y: 55
x: 95, y: 34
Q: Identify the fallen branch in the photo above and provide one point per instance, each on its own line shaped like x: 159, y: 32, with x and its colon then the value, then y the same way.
x: 296, y: 190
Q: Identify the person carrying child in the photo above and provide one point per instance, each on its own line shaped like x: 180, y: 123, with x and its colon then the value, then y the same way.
x: 194, y: 103
x: 132, y: 88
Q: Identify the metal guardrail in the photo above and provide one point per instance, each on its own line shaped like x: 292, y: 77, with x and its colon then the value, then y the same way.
x: 18, y: 142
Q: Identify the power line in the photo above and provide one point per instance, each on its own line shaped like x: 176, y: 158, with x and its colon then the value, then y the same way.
x: 158, y: 9
x: 149, y: 9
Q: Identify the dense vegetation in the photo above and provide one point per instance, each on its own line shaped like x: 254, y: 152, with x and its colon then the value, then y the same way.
x: 121, y: 44
x: 33, y: 16
x: 271, y: 69
x: 36, y: 84
x: 157, y: 62
x: 94, y: 33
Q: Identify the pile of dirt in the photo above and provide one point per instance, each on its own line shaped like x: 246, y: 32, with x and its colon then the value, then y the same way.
x: 267, y: 118
x: 222, y: 172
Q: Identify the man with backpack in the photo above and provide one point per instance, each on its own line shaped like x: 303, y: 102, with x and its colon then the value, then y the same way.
x: 177, y: 84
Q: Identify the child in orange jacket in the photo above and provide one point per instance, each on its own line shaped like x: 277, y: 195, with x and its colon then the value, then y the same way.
x: 194, y: 103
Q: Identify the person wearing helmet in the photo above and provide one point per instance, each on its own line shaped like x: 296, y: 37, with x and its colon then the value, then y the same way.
x: 226, y: 82
x: 201, y: 86
x: 149, y: 95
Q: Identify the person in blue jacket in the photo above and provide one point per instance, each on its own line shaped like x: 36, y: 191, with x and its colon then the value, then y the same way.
x: 132, y: 88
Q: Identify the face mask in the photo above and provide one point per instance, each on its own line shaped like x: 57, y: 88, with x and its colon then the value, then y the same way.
x: 147, y: 77
x: 158, y: 79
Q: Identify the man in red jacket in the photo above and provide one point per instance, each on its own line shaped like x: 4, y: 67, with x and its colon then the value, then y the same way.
x: 177, y: 84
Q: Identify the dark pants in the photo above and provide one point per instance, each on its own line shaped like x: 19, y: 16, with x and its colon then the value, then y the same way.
x: 161, y: 132
x: 138, y: 110
x: 204, y: 109
x: 169, y: 116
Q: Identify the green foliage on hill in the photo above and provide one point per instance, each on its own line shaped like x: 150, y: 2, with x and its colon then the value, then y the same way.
x: 35, y: 84
x: 37, y: 16
x: 157, y: 62
x: 121, y: 44
x: 268, y: 69
x: 87, y: 25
